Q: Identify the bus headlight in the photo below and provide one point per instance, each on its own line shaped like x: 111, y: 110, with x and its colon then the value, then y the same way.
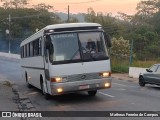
x: 59, y: 79
x: 105, y: 74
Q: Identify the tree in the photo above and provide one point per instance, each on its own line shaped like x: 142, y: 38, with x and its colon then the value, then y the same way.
x: 146, y: 11
x: 91, y: 15
x: 24, y: 21
x: 125, y: 17
x: 155, y: 21
x: 147, y: 8
x: 120, y: 46
x: 108, y: 22
x: 72, y: 20
x: 143, y: 37
x: 43, y: 7
x: 14, y: 3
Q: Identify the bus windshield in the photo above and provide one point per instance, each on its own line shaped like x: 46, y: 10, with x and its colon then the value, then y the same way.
x: 76, y: 47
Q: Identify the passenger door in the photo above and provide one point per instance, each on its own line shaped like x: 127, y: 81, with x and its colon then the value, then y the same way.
x: 46, y: 66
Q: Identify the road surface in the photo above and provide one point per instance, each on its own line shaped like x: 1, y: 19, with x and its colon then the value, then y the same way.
x: 123, y: 96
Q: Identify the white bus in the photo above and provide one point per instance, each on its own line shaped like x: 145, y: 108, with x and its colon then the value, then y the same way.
x: 66, y: 58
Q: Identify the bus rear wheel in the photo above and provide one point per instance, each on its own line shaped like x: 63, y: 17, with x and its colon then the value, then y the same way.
x: 92, y: 93
x: 29, y: 85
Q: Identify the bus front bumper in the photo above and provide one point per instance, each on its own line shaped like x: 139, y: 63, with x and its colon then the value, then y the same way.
x: 87, y: 85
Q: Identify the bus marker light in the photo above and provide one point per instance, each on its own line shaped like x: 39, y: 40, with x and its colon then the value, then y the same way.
x: 29, y: 77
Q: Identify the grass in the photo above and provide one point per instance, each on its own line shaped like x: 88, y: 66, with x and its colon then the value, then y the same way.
x: 144, y: 64
x: 7, y: 83
x: 120, y: 69
x: 121, y: 65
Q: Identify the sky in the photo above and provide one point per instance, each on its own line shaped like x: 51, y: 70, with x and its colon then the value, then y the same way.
x: 81, y: 6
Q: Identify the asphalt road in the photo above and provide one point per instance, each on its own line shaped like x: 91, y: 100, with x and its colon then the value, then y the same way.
x: 123, y: 96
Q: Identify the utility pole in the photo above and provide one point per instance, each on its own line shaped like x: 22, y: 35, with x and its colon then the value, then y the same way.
x: 8, y: 31
x: 68, y: 13
x: 131, y: 53
x: 9, y: 41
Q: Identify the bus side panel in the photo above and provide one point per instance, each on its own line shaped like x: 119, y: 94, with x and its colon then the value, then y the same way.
x: 34, y: 75
x: 34, y: 67
x: 33, y: 62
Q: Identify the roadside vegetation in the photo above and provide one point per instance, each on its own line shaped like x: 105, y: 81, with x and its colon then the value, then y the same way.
x: 135, y: 38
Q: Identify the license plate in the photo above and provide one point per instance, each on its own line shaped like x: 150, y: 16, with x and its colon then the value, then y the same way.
x: 83, y: 87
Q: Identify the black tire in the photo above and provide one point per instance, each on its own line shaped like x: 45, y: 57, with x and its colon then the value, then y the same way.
x: 141, y: 81
x: 46, y: 95
x: 28, y: 85
x: 92, y: 93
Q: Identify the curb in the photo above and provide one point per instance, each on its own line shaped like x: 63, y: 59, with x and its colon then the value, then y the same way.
x: 125, y: 78
x: 9, y: 59
x: 23, y: 102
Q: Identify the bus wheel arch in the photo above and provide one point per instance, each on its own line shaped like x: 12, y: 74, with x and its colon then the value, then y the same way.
x: 28, y: 84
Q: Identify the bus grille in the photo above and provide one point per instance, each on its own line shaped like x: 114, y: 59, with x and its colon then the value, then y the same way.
x: 85, y: 76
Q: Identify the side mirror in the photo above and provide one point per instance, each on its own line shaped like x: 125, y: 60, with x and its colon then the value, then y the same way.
x: 107, y: 40
x: 49, y: 46
x: 148, y: 70
x: 47, y: 41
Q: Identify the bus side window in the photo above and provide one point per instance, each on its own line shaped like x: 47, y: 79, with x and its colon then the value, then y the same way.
x: 23, y: 51
x: 36, y: 48
x: 39, y: 47
x: 27, y: 50
x: 31, y: 49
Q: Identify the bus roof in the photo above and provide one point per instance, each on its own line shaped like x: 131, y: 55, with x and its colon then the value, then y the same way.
x: 66, y: 25
x: 58, y: 26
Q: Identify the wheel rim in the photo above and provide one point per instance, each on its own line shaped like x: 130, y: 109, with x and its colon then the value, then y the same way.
x: 141, y: 81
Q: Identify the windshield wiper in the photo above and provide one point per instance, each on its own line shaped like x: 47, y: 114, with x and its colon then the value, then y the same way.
x: 74, y: 54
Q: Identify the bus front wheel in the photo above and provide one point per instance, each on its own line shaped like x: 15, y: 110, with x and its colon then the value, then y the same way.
x: 92, y: 93
x: 46, y: 95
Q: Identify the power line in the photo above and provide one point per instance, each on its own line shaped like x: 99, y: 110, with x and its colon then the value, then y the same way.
x: 94, y: 1
x: 90, y: 1
x: 28, y: 16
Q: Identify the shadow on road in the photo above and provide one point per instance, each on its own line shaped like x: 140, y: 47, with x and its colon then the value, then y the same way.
x: 153, y: 87
x: 72, y: 98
